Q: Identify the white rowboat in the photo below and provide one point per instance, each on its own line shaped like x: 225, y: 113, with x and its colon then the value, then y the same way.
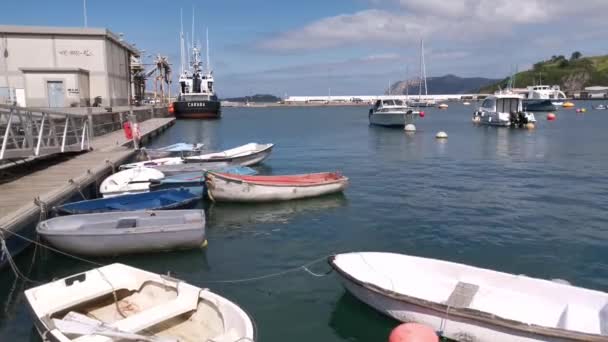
x: 236, y: 188
x: 467, y: 303
x: 130, y: 181
x: 119, y: 302
x: 245, y: 155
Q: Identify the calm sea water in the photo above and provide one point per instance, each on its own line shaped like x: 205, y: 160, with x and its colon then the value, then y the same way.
x: 526, y: 202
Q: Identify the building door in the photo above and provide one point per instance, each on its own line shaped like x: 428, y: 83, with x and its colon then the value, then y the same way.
x: 56, y: 93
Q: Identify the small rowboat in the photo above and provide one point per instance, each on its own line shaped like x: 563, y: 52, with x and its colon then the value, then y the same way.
x: 130, y: 181
x: 107, y: 234
x: 156, y: 200
x: 181, y: 149
x: 245, y: 155
x: 174, y: 170
x: 467, y: 303
x: 235, y: 188
x: 122, y: 303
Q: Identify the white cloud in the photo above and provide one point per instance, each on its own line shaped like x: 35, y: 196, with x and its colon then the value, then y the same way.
x: 460, y: 20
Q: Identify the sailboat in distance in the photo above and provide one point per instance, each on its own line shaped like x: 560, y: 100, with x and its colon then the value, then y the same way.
x: 197, y: 98
x: 420, y: 102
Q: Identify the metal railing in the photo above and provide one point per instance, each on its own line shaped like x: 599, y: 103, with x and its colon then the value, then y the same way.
x: 30, y: 132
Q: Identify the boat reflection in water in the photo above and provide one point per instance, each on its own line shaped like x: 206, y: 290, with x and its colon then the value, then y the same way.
x: 354, y: 321
x: 234, y: 215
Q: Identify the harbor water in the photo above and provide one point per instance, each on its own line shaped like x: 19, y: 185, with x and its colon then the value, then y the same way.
x: 530, y: 202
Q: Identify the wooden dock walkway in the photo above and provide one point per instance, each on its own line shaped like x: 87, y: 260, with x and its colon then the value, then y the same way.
x: 21, y: 199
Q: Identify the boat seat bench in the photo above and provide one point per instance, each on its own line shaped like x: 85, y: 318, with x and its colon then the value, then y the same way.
x: 186, y: 301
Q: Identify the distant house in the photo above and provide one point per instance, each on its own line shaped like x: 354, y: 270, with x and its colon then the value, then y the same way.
x: 594, y: 92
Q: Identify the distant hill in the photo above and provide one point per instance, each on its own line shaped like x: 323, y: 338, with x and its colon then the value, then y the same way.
x: 571, y: 74
x: 448, y: 84
x: 261, y: 98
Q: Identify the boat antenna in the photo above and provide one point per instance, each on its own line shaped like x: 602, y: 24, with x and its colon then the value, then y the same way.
x: 389, y: 88
x: 208, y: 61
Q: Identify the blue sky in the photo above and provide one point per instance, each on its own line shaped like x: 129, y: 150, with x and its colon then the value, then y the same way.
x: 350, y: 46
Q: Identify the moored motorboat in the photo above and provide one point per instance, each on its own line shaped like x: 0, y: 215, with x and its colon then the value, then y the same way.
x: 119, y: 302
x: 503, y: 109
x: 235, y: 188
x: 600, y: 107
x: 129, y: 181
x: 106, y: 234
x: 155, y: 200
x: 473, y: 304
x: 391, y: 113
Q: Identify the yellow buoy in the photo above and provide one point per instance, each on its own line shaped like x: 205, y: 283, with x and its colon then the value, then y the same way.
x: 530, y: 125
x: 205, y: 243
x: 568, y: 104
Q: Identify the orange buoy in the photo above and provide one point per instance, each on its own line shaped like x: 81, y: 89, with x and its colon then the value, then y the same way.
x: 413, y: 332
x: 551, y: 117
x: 171, y: 108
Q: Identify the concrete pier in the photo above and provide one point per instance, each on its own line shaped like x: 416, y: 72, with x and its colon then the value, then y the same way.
x: 27, y: 199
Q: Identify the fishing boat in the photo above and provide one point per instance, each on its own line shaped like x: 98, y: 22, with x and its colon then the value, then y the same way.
x: 234, y: 188
x: 181, y: 149
x: 245, y: 155
x: 129, y: 181
x: 197, y: 98
x: 156, y: 200
x: 391, y: 113
x: 120, y: 302
x: 543, y: 98
x: 503, y: 109
x: 467, y: 303
x: 107, y: 234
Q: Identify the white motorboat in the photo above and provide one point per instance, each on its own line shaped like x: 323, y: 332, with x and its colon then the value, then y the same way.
x: 237, y: 188
x: 129, y: 181
x: 115, y: 233
x: 119, y: 302
x: 245, y: 155
x: 503, y: 109
x: 180, y: 149
x: 466, y: 303
x: 545, y: 92
x: 391, y: 113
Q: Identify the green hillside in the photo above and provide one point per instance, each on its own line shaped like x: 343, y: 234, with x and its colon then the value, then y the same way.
x: 571, y: 74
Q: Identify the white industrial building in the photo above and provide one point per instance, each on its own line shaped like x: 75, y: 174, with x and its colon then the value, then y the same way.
x: 64, y: 67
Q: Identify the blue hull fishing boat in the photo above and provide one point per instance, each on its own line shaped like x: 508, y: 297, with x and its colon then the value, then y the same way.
x: 155, y: 200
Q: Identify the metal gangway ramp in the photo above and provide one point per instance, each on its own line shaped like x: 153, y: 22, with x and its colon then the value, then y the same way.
x: 36, y: 132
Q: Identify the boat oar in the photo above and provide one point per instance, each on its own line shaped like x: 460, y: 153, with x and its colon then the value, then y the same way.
x: 77, y: 324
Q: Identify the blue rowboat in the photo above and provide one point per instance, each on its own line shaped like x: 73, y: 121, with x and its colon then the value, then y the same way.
x: 155, y: 200
x: 195, y: 181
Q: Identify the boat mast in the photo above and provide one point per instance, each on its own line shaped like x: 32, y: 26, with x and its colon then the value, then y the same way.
x: 407, y: 84
x: 182, y: 44
x: 420, y: 75
x: 423, y: 66
x: 207, y: 50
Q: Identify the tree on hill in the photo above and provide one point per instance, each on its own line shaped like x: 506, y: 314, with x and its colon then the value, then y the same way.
x: 576, y: 55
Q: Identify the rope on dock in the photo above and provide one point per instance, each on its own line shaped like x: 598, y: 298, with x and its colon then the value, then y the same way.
x: 44, y: 209
x: 78, y: 187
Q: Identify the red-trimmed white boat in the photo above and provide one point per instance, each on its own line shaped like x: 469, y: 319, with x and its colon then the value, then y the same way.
x: 467, y: 303
x: 235, y: 188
